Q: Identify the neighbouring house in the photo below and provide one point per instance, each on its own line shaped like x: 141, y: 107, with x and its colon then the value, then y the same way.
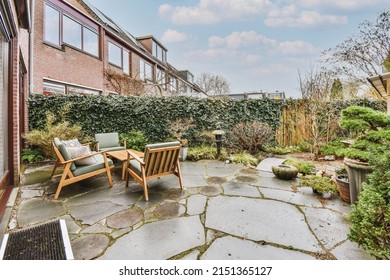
x: 15, y: 26
x: 77, y: 49
x: 259, y: 95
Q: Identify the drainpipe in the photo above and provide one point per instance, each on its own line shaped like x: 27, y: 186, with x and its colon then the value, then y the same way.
x: 31, y: 78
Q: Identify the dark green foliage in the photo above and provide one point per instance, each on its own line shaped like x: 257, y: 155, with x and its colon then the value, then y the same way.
x: 205, y: 152
x: 152, y: 115
x: 32, y: 155
x: 304, y: 167
x: 134, y: 140
x: 336, y: 92
x: 332, y: 148
x: 370, y: 217
x: 322, y: 185
x: 372, y: 128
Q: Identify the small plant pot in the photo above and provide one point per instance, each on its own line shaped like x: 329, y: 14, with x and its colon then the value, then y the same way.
x: 285, y: 172
x: 183, y: 153
x: 342, y: 183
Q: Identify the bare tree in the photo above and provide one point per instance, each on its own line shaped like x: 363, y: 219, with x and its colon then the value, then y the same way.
x: 124, y: 84
x: 316, y: 89
x: 213, y: 85
x: 364, y: 54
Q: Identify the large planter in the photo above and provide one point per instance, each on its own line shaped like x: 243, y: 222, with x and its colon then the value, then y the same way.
x: 285, y: 172
x: 342, y: 182
x: 357, y: 171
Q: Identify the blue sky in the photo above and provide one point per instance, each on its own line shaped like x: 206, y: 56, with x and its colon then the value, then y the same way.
x: 254, y: 44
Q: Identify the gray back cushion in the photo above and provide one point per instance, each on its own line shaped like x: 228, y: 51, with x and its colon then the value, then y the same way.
x: 107, y: 140
x: 64, y: 152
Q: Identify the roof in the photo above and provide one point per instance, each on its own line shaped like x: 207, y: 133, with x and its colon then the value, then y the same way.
x: 379, y: 82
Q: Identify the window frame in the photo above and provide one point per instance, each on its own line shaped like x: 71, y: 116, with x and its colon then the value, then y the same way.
x: 61, y: 42
x: 122, y: 50
x: 143, y: 75
x: 66, y: 87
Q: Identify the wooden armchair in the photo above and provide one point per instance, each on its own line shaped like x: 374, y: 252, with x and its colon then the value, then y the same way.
x: 108, y: 142
x: 159, y: 160
x: 77, y: 169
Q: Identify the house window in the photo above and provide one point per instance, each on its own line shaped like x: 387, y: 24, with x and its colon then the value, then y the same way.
x: 172, y: 84
x: 119, y: 57
x: 158, y: 52
x: 90, y: 41
x: 126, y: 62
x: 114, y: 54
x: 61, y: 88
x: 190, y: 77
x: 160, y: 77
x: 71, y: 32
x: 74, y: 33
x: 52, y: 25
x: 4, y: 54
x: 146, y: 70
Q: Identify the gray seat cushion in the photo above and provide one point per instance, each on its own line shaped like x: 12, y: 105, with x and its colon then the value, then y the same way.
x: 80, y: 170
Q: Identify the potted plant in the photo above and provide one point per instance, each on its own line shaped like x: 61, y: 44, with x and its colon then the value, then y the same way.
x: 178, y: 129
x: 342, y: 182
x: 372, y: 129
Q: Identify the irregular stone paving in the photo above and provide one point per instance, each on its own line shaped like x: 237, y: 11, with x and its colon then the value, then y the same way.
x: 226, y: 211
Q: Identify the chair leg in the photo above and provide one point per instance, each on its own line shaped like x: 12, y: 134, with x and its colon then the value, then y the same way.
x: 145, y: 187
x: 109, y: 177
x: 127, y: 178
x: 61, y: 184
x: 179, y: 175
x: 55, y: 167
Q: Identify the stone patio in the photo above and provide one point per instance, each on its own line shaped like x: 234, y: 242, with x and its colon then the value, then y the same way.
x: 226, y: 211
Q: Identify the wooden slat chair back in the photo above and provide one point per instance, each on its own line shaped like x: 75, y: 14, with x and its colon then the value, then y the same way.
x: 73, y: 173
x: 159, y: 160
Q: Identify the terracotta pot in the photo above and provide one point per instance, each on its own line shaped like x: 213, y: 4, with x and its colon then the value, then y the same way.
x: 357, y: 171
x: 342, y: 182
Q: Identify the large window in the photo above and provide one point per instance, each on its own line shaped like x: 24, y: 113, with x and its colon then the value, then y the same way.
x: 52, y: 25
x: 50, y: 87
x: 3, y: 105
x: 71, y: 32
x: 119, y: 57
x: 145, y: 70
x: 160, y: 77
x: 74, y: 33
x: 159, y: 52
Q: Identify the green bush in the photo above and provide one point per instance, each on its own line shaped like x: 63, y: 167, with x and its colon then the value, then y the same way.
x: 205, y: 152
x: 43, y: 138
x: 32, y: 155
x: 244, y: 158
x: 322, y: 185
x: 332, y: 148
x: 134, y: 140
x: 370, y: 217
x: 304, y: 167
x: 278, y: 150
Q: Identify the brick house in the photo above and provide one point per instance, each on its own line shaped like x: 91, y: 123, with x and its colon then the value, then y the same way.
x: 75, y: 46
x: 14, y: 68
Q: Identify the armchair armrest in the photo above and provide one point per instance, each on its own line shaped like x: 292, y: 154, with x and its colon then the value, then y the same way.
x: 130, y: 155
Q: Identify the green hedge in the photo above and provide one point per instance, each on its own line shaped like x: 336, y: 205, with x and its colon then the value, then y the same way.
x: 152, y: 115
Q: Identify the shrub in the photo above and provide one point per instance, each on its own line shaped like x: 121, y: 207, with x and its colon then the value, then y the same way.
x: 332, y: 148
x: 179, y: 128
x: 252, y: 136
x: 278, y: 150
x: 304, y: 167
x: 244, y: 158
x: 370, y: 217
x: 205, y: 152
x: 134, y: 140
x: 32, y: 155
x: 322, y: 185
x: 43, y: 138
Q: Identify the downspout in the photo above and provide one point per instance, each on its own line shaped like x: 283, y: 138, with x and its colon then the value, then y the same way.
x: 31, y: 64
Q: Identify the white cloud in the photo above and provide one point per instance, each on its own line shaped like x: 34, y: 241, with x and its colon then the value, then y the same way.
x: 173, y: 36
x: 212, y: 11
x: 305, y: 19
x: 295, y: 47
x: 214, y: 53
x: 237, y: 40
x: 252, y: 59
x: 341, y: 4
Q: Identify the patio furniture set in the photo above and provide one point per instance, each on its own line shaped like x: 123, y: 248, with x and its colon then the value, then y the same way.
x: 80, y: 163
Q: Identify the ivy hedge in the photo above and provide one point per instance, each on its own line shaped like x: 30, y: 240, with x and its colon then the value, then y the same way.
x: 152, y: 115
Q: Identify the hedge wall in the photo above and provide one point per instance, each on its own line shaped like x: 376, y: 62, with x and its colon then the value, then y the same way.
x: 152, y: 115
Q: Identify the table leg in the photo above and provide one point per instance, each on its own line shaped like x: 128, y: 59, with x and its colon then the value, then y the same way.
x: 124, y: 169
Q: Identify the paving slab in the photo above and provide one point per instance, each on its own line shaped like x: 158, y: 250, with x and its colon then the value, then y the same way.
x: 240, y: 189
x: 126, y: 218
x: 261, y: 220
x: 96, y: 228
x: 196, y: 204
x: 191, y: 181
x: 266, y: 164
x: 221, y: 169
x: 37, y: 210
x: 351, y: 251
x: 91, y: 213
x: 169, y: 210
x: 298, y: 198
x: 231, y: 248
x: 275, y: 183
x: 190, y: 168
x: 90, y: 246
x: 158, y: 241
x: 338, y: 205
x: 329, y: 226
